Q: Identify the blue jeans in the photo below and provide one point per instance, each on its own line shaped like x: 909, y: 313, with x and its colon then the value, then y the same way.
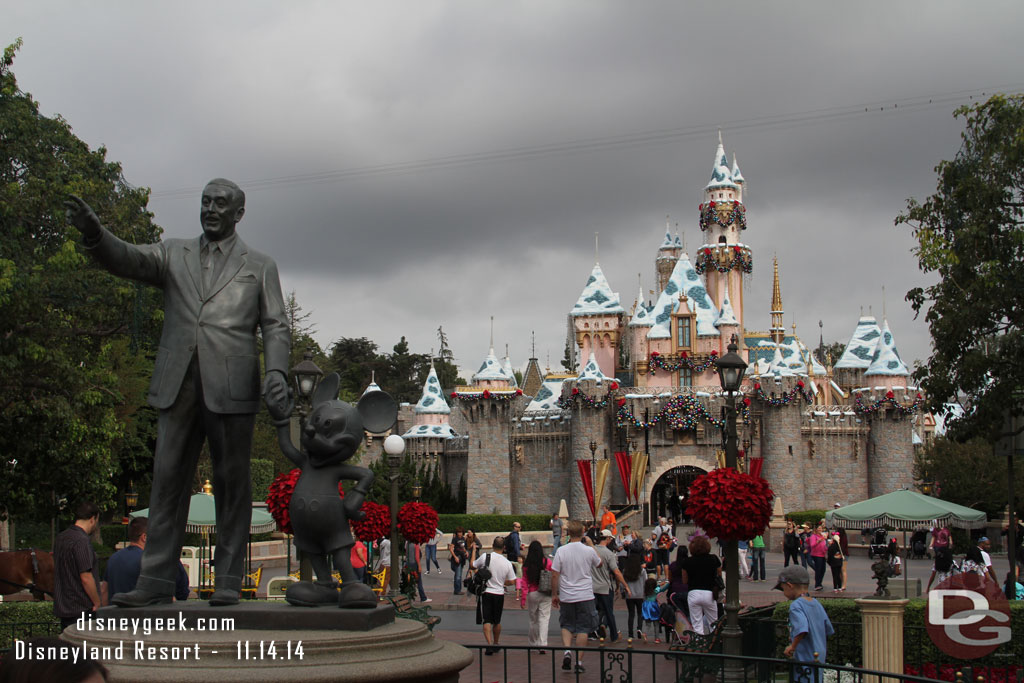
x: 431, y: 557
x: 757, y: 564
x: 457, y: 570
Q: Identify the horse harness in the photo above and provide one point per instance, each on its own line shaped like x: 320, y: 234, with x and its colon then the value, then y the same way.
x: 35, y: 573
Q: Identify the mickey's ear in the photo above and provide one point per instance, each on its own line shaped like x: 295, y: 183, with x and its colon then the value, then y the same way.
x: 378, y: 410
x: 327, y: 390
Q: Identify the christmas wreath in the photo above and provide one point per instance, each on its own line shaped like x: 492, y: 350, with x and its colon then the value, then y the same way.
x: 730, y: 505
x: 417, y: 522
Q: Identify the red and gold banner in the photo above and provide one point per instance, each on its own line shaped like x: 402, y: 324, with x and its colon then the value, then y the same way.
x: 756, y: 465
x: 602, y: 467
x: 587, y: 479
x: 624, y: 462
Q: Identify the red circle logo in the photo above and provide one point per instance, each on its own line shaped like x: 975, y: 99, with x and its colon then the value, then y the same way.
x: 967, y: 616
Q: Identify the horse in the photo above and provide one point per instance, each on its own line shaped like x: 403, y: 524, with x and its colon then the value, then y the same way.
x: 30, y: 570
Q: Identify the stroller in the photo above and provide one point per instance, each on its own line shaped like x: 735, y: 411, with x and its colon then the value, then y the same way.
x: 918, y: 545
x: 878, y: 545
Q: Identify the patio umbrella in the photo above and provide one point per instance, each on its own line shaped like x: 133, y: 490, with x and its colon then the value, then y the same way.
x: 202, y: 519
x: 905, y: 510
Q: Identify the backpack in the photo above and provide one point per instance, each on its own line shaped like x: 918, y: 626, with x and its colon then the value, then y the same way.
x: 667, y: 615
x: 477, y: 584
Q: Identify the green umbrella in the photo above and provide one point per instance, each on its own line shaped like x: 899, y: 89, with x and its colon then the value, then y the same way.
x: 906, y: 510
x: 202, y: 517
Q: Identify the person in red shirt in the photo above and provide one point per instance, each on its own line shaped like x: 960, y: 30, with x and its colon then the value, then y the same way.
x: 359, y: 560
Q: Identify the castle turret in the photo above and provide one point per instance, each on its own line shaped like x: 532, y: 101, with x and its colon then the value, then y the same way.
x: 860, y: 351
x: 668, y: 254
x: 887, y: 369
x: 596, y: 318
x: 430, y: 428
x: 778, y: 329
x: 637, y: 328
x: 723, y: 218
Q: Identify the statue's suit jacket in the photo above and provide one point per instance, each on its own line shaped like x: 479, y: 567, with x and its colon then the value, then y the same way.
x: 220, y: 327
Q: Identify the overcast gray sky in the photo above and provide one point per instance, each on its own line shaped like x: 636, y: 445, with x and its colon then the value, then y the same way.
x: 416, y: 164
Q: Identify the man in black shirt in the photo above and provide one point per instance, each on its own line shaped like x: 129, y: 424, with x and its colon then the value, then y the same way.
x: 75, y: 579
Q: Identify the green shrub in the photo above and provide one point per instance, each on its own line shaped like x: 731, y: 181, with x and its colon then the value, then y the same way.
x: 918, y: 647
x: 489, y: 523
x: 845, y: 646
x: 811, y: 517
x: 21, y: 620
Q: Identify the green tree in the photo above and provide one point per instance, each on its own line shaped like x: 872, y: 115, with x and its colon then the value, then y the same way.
x: 356, y: 361
x: 968, y: 474
x: 403, y: 373
x: 447, y: 371
x: 75, y: 341
x: 969, y: 234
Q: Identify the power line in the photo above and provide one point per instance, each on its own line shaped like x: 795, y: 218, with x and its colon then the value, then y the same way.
x: 610, y: 142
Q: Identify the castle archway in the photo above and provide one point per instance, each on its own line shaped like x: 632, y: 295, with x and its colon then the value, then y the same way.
x: 673, y: 481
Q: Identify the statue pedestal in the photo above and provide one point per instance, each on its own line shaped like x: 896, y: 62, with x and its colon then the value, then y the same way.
x: 266, y: 642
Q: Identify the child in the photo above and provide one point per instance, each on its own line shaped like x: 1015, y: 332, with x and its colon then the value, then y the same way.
x: 809, y: 625
x: 651, y: 610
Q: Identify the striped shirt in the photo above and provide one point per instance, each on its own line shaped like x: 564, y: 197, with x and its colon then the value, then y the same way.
x: 72, y: 556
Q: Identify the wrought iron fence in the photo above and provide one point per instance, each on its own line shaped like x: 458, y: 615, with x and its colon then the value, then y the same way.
x: 23, y: 630
x: 626, y: 665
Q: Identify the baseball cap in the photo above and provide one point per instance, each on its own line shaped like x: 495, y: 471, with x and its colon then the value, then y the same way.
x: 606, y: 534
x: 836, y: 505
x: 793, y: 574
x: 982, y: 539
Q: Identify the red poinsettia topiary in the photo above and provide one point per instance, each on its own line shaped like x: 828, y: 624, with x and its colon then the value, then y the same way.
x: 377, y: 523
x: 280, y: 496
x: 417, y: 522
x: 730, y: 505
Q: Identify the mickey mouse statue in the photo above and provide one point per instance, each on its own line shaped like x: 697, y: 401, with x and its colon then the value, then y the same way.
x: 320, y: 517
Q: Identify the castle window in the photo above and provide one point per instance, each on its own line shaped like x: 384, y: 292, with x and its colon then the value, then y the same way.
x: 683, y: 332
x: 722, y: 240
x: 685, y: 377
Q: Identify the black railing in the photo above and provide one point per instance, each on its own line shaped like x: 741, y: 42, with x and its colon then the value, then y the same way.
x: 23, y: 630
x: 626, y: 665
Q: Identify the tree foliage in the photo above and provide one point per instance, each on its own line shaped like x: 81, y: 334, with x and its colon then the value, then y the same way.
x: 968, y: 474
x: 75, y: 343
x: 969, y: 233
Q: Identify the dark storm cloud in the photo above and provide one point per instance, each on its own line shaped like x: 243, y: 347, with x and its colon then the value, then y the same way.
x: 439, y: 163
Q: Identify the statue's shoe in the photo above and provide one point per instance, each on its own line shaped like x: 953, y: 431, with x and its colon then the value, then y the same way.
x: 140, y: 598
x: 309, y: 594
x: 354, y: 595
x: 224, y: 596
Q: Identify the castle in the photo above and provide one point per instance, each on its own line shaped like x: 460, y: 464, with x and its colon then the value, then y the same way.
x: 644, y: 415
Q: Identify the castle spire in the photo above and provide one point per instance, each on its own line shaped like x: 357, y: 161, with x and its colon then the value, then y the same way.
x: 778, y: 330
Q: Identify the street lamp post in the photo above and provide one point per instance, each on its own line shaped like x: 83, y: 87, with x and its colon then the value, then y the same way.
x: 730, y: 372
x: 306, y: 376
x: 394, y: 446
x: 131, y: 500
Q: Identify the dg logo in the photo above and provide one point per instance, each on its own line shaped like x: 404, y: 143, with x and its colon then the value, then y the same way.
x: 968, y: 617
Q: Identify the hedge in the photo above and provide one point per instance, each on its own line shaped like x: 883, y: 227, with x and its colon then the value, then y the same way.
x: 845, y: 646
x: 811, y: 517
x: 918, y: 649
x: 488, y: 523
x: 33, y: 618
